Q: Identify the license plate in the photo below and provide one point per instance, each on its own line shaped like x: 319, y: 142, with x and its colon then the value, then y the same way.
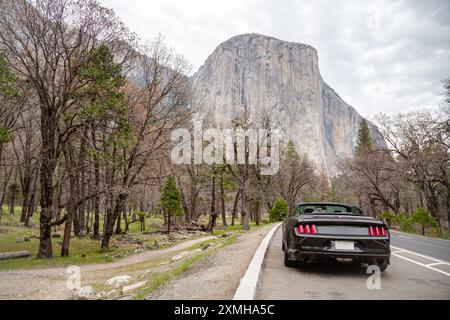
x: 344, y: 245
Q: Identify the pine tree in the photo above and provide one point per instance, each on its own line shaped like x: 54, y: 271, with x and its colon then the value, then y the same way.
x: 364, y: 141
x: 324, y: 191
x: 280, y: 207
x: 171, y: 200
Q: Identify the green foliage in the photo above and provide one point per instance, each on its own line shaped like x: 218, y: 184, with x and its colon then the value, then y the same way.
x: 291, y: 153
x: 424, y: 219
x: 388, y: 217
x: 334, y: 191
x: 8, y: 79
x: 171, y: 198
x: 404, y: 222
x: 5, y: 136
x: 279, y: 208
x: 102, y: 97
x: 364, y: 140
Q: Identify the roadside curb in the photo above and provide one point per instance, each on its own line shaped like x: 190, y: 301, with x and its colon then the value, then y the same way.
x: 250, y: 281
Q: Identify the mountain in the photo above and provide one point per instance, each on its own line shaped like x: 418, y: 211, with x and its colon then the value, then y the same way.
x: 271, y: 76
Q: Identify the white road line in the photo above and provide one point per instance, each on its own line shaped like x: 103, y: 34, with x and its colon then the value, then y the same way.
x: 398, y: 251
x: 405, y: 237
x: 428, y: 266
x: 420, y: 255
x: 434, y: 264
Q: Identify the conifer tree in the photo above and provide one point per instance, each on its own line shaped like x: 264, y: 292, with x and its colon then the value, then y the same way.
x: 364, y: 141
x: 171, y: 200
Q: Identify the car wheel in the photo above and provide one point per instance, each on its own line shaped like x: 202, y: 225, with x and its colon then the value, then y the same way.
x: 288, y: 263
x: 282, y: 245
x: 383, y: 266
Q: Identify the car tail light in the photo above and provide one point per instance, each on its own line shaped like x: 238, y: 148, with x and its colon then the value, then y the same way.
x: 377, y: 231
x: 307, y: 229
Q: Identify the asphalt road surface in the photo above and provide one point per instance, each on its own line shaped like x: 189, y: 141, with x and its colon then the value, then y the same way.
x: 420, y: 269
x: 436, y: 248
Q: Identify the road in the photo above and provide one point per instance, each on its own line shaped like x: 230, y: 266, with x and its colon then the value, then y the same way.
x: 436, y: 248
x: 411, y: 275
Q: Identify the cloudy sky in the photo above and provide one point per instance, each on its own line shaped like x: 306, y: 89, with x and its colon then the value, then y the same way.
x: 380, y: 56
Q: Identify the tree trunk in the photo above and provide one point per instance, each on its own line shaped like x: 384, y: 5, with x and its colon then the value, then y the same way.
x: 96, y: 199
x: 71, y: 210
x: 7, y: 177
x: 48, y: 163
x: 82, y: 182
x: 168, y: 222
x: 234, y: 212
x: 257, y: 213
x: 245, y: 212
x: 113, y: 211
x: 213, y: 213
x: 125, y: 219
x: 31, y: 203
x: 13, y: 195
x: 25, y: 200
x: 118, y: 225
x: 222, y: 201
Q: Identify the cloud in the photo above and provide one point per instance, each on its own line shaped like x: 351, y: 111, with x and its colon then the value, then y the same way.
x: 380, y: 56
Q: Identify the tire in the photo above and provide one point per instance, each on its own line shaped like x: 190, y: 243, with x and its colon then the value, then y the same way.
x: 383, y: 266
x: 288, y: 263
x: 282, y: 246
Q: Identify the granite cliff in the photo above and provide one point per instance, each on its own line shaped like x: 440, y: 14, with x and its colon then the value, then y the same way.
x: 270, y: 76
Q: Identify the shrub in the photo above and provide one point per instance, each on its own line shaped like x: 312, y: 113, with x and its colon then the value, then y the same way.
x: 424, y: 219
x: 404, y: 222
x: 388, y: 217
x: 280, y: 206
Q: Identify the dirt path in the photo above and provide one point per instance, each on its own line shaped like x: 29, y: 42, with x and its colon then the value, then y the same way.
x: 218, y: 275
x: 50, y: 283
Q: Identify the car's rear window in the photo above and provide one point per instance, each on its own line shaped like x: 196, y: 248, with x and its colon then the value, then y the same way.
x: 327, y: 208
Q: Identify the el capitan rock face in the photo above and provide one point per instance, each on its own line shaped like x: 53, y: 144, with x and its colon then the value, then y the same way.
x: 281, y: 78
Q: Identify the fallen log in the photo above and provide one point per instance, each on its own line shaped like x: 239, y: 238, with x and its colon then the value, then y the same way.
x: 14, y: 255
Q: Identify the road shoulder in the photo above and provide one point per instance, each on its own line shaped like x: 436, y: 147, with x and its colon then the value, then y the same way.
x: 218, y: 275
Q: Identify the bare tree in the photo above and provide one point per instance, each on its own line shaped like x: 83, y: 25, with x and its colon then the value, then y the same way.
x: 158, y: 104
x: 295, y: 174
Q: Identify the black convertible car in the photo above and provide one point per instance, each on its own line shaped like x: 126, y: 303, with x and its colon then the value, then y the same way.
x: 315, y: 232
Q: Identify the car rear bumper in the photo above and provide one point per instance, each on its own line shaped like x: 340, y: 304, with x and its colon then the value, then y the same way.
x: 313, y: 249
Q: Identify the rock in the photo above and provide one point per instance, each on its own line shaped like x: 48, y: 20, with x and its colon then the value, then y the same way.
x: 19, y: 240
x: 26, y: 239
x: 283, y: 78
x: 84, y: 292
x: 225, y: 235
x: 118, y: 281
x: 177, y: 257
x: 133, y: 286
x: 180, y: 256
x: 206, y: 246
x: 105, y: 293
